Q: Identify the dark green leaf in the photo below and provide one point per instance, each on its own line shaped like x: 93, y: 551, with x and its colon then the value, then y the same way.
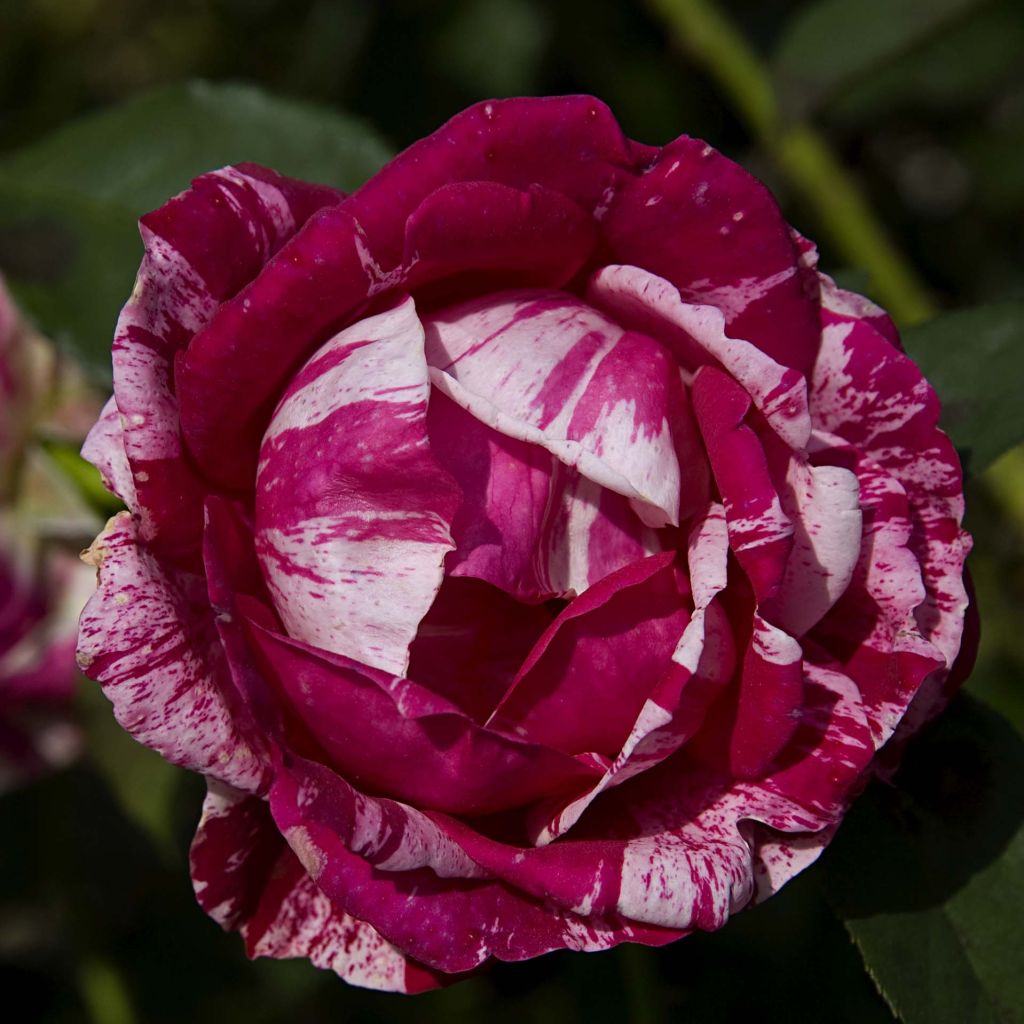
x: 948, y: 74
x: 975, y: 360
x: 928, y: 874
x: 834, y: 42
x: 68, y: 204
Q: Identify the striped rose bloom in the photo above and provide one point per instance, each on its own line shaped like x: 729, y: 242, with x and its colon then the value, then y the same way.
x: 532, y: 549
x: 42, y: 583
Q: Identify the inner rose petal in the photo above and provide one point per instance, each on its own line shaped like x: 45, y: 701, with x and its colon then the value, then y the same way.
x: 542, y: 366
x: 351, y: 544
x: 529, y: 524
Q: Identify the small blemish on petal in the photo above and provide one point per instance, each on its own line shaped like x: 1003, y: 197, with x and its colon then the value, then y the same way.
x: 310, y: 856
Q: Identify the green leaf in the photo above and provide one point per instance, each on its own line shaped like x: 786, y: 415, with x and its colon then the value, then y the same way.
x: 832, y: 43
x: 949, y: 74
x: 928, y: 874
x: 68, y: 204
x: 975, y: 360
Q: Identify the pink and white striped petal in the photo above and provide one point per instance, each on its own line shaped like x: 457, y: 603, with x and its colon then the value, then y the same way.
x: 429, y: 884
x: 823, y: 503
x: 760, y: 532
x: 104, y: 448
x: 148, y: 635
x: 705, y: 657
x: 696, y: 335
x: 529, y: 524
x: 873, y: 630
x: 868, y: 392
x: 705, y: 224
x: 352, y: 545
x: 248, y: 880
x: 200, y: 248
x: 540, y: 366
x: 759, y: 833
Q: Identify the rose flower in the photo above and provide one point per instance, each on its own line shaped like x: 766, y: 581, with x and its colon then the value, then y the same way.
x: 531, y: 549
x: 42, y: 583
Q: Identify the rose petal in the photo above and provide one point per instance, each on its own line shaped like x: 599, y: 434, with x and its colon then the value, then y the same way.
x: 586, y: 680
x: 353, y: 546
x: 529, y: 524
x: 823, y: 504
x: 148, y: 636
x: 543, y: 367
x: 696, y: 335
x: 409, y: 876
x: 104, y: 448
x: 438, y: 758
x: 771, y: 697
x: 200, y: 248
x: 872, y: 631
x: 233, y: 371
x: 471, y: 643
x: 760, y: 532
x: 700, y: 221
x: 248, y: 880
x: 487, y: 233
x: 870, y: 394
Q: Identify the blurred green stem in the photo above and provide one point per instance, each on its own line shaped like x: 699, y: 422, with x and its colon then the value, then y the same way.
x: 801, y: 153
x: 104, y: 993
x: 1005, y: 481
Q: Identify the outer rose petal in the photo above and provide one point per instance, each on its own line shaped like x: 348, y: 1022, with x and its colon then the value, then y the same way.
x: 543, y: 367
x: 104, y: 448
x: 700, y: 221
x: 484, y: 233
x: 413, y: 879
x: 201, y: 247
x: 148, y: 636
x: 353, y: 547
x: 898, y: 429
x: 872, y: 631
x: 247, y: 879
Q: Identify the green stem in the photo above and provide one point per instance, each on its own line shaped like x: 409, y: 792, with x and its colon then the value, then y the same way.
x: 1005, y: 481
x: 104, y: 993
x: 801, y: 153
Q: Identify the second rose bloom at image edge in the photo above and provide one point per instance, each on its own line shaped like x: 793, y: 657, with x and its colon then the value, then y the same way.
x: 532, y: 549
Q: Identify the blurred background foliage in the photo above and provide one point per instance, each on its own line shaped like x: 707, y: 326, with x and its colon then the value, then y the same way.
x: 892, y: 132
